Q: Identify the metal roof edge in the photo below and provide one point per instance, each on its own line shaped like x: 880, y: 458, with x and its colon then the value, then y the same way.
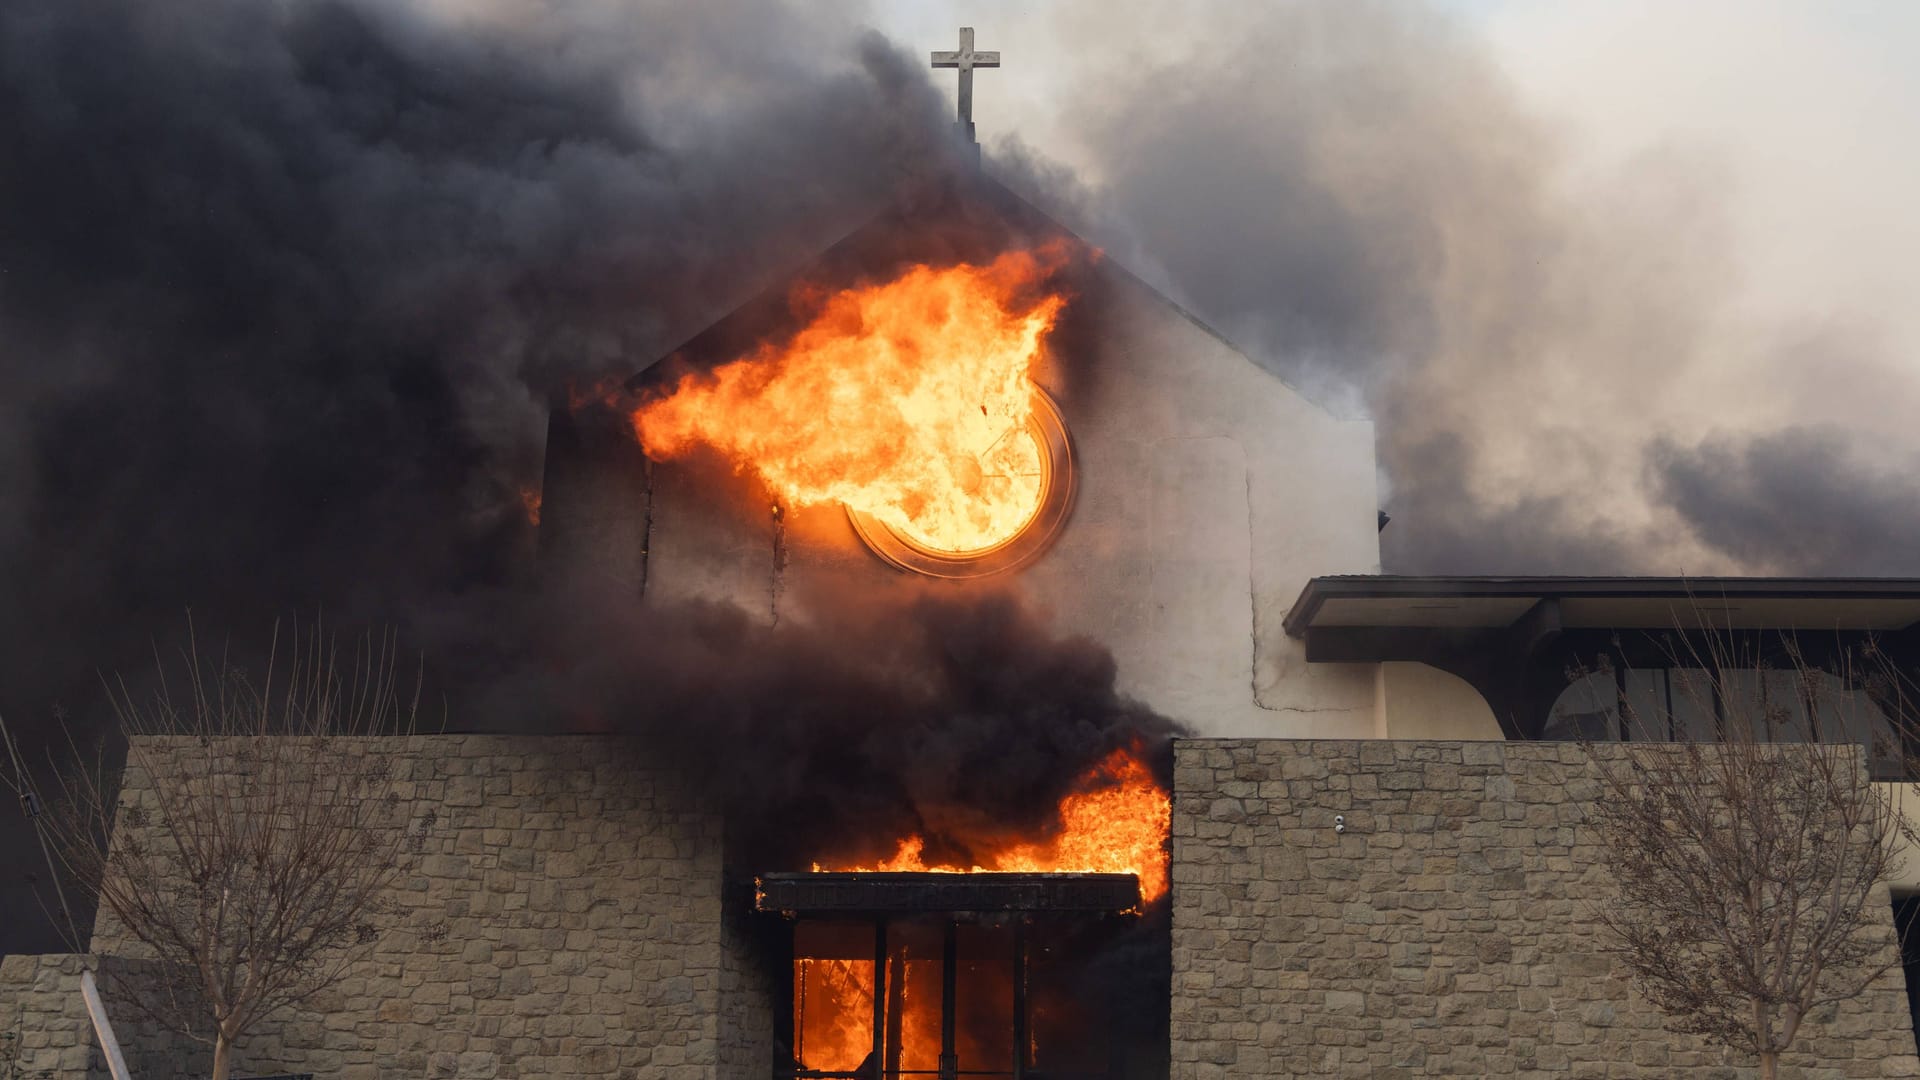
x: 1395, y: 586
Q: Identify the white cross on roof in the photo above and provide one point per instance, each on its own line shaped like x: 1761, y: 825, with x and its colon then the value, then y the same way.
x: 966, y: 60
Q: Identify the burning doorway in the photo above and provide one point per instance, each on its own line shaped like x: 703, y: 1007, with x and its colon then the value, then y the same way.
x: 991, y: 975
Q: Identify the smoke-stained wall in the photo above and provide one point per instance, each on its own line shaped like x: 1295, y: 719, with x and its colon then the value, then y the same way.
x: 1208, y: 492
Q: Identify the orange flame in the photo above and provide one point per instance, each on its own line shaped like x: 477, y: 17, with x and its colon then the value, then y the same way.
x: 836, y: 1032
x: 908, y: 400
x: 1118, y: 825
x: 1117, y: 822
x: 833, y: 1013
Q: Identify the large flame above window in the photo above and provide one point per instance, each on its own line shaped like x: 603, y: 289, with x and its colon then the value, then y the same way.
x: 910, y: 402
x: 1116, y: 822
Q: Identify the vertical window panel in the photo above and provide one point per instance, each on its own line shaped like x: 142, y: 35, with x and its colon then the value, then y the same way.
x: 833, y: 983
x: 1589, y: 708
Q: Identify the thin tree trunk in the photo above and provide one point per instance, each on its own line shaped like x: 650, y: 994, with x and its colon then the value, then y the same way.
x: 222, y: 1056
x: 1763, y: 1026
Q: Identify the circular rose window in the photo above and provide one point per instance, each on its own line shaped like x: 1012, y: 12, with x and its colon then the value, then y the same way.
x: 1012, y: 492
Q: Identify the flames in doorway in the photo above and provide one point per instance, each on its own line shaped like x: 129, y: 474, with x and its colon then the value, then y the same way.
x: 869, y: 999
x: 834, y: 1011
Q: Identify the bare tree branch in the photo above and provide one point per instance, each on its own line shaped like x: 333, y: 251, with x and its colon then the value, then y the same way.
x: 1752, y: 872
x: 252, y: 843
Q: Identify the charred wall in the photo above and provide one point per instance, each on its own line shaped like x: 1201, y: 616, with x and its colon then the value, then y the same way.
x: 1208, y: 493
x: 753, y: 957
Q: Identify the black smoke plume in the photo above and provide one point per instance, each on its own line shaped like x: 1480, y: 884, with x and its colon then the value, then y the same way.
x: 1801, y: 500
x: 285, y: 289
x: 953, y: 714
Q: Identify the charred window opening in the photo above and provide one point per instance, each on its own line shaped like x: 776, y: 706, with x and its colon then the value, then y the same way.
x: 882, y: 986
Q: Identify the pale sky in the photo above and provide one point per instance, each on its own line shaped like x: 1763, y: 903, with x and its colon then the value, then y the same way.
x: 1811, y: 110
x: 1791, y: 126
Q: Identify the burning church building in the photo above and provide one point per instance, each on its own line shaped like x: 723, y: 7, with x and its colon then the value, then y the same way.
x: 1259, y: 810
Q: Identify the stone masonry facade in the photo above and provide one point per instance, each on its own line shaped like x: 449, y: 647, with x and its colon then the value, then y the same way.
x: 1446, y: 932
x: 562, y: 918
x: 45, y: 1030
x: 568, y: 915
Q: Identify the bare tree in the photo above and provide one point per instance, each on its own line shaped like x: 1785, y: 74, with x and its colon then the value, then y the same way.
x: 1753, y: 873
x: 257, y: 833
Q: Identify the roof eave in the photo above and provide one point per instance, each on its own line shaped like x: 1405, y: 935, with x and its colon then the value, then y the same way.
x: 1393, y: 586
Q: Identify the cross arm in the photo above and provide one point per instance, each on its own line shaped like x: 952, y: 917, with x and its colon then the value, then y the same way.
x: 964, y: 60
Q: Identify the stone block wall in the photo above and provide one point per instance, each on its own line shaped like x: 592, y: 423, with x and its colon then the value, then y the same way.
x: 41, y: 1007
x: 562, y: 918
x: 747, y: 987
x: 1446, y: 932
x: 565, y: 918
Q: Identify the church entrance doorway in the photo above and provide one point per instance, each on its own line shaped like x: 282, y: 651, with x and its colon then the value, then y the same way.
x: 943, y: 976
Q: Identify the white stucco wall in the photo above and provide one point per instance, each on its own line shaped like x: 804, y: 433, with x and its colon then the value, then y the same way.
x: 1209, y: 493
x: 1905, y: 882
x: 1419, y: 701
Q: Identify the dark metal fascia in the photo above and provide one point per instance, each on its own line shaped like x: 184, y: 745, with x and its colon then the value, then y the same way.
x: 1403, y: 587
